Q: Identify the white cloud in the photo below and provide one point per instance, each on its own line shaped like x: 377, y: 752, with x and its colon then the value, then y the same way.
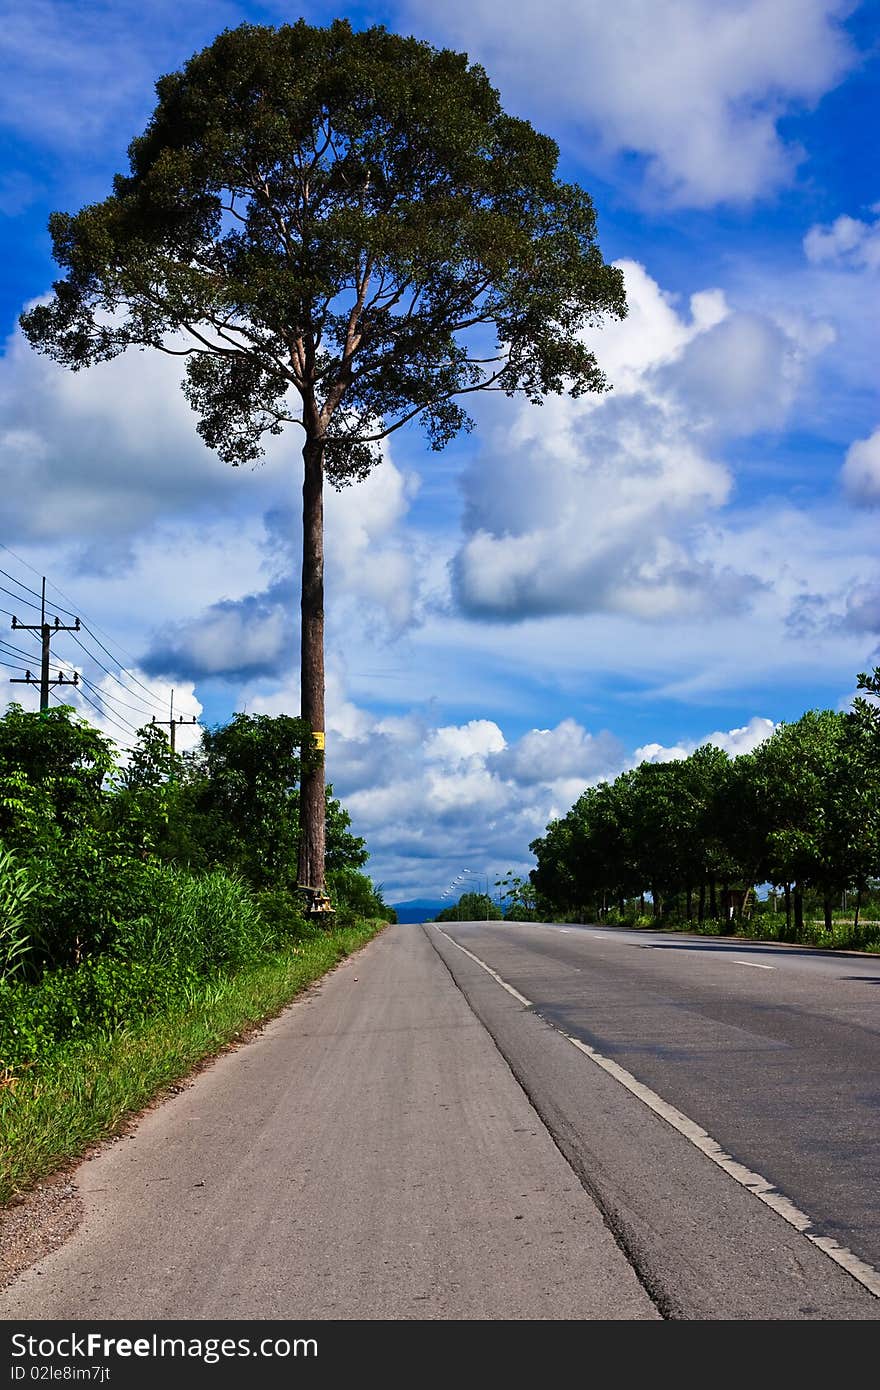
x: 732, y: 741
x: 432, y: 800
x: 599, y: 504
x: 568, y: 751
x: 461, y: 745
x: 365, y: 554
x: 847, y: 242
x: 106, y: 450
x: 861, y: 472
x: 695, y: 87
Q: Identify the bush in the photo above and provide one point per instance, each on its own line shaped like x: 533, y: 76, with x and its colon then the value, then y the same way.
x: 282, y: 913
x: 187, y: 928
x: 355, y: 895
x: 15, y: 892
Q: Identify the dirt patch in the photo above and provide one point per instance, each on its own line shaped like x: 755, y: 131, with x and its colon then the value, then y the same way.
x: 37, y: 1223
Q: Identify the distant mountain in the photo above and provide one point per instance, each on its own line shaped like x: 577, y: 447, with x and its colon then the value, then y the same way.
x: 417, y: 910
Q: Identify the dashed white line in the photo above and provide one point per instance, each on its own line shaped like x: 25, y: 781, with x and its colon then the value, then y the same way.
x: 753, y: 964
x: 865, y: 1274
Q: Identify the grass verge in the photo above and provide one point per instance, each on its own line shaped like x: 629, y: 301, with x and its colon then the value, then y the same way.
x: 52, y: 1114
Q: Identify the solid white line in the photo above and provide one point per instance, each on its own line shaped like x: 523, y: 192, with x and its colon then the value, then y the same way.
x: 754, y: 965
x: 489, y: 971
x: 864, y: 1273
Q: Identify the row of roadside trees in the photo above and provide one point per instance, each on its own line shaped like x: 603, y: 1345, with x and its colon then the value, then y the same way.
x: 697, y: 835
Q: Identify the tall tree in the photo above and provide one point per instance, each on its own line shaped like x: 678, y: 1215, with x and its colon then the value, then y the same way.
x: 343, y: 231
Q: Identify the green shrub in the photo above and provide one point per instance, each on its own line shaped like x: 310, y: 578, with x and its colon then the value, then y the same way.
x: 187, y: 929
x: 281, y: 911
x: 15, y: 892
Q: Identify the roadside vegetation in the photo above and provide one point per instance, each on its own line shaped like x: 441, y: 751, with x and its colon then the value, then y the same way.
x: 148, y: 915
x: 689, y: 843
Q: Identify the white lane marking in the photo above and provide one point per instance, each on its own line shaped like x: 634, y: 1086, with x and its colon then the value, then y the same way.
x: 754, y: 965
x: 863, y: 1273
x: 563, y: 929
x: 489, y: 971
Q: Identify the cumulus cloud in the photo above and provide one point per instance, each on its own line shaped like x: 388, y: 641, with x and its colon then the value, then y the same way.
x: 432, y: 799
x: 695, y: 88
x: 600, y: 504
x: 861, y: 472
x: 847, y: 242
x: 108, y: 450
x: 568, y: 751
x: 732, y: 741
x: 370, y: 578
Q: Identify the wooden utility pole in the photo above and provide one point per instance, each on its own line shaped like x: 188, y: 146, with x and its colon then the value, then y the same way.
x: 173, y: 723
x: 46, y: 631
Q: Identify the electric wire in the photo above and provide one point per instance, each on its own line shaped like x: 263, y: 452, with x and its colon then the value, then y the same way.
x: 35, y: 593
x: 147, y: 702
x: 17, y: 651
x: 26, y: 601
x: 120, y: 722
x: 104, y: 695
x: 131, y: 674
x: 112, y: 674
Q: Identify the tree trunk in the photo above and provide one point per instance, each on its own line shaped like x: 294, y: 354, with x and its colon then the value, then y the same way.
x: 858, y: 908
x: 798, y: 912
x: 311, y: 802
x: 829, y: 920
x: 690, y: 902
x: 713, y: 901
x: 701, y: 906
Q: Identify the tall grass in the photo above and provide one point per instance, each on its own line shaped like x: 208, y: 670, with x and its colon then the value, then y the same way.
x: 15, y: 893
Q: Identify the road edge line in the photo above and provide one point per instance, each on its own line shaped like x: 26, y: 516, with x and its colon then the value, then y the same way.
x: 864, y: 1273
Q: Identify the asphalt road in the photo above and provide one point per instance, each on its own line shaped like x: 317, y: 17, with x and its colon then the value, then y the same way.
x: 773, y: 1052
x: 587, y: 1132
x: 369, y: 1156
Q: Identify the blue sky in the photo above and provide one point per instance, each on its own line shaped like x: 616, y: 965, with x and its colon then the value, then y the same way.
x: 571, y: 588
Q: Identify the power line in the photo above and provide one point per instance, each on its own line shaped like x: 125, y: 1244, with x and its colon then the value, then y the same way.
x: 29, y: 590
x: 147, y: 702
x: 45, y: 630
x: 8, y: 647
x: 113, y: 676
x: 173, y: 724
x: 120, y: 722
x: 64, y: 703
x: 26, y: 601
x: 64, y: 594
x: 105, y: 695
x: 121, y: 667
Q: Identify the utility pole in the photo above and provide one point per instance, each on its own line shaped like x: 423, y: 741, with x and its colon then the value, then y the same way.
x: 173, y: 723
x: 46, y: 631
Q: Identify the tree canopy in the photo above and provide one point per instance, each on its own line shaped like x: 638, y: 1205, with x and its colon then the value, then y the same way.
x: 334, y: 216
